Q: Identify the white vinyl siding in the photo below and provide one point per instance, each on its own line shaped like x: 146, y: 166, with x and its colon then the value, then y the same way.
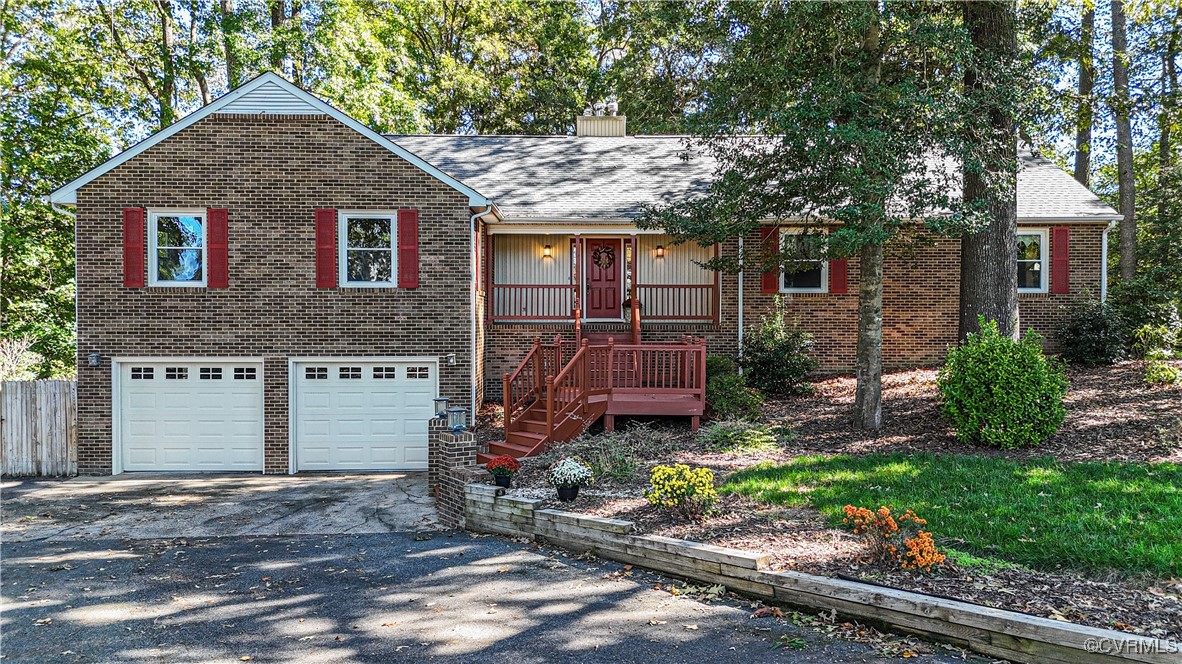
x: 270, y: 99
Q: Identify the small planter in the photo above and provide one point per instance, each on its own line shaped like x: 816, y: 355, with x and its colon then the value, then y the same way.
x: 568, y: 493
x: 503, y: 481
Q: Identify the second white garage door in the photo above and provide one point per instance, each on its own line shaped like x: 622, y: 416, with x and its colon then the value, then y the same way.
x: 369, y: 415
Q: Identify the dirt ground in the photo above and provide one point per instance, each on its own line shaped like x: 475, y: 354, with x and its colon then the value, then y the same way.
x: 1112, y: 415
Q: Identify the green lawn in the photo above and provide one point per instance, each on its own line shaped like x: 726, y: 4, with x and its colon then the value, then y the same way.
x: 1040, y: 513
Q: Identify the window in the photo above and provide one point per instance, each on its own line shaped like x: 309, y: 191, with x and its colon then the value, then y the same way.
x: 245, y: 373
x: 349, y: 373
x: 176, y: 248
x: 141, y: 373
x: 385, y: 372
x: 176, y: 373
x: 316, y: 373
x: 368, y: 242
x: 417, y: 373
x: 1032, y: 262
x: 805, y: 274
x: 211, y: 373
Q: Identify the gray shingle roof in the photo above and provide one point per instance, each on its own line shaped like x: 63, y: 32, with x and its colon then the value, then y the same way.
x: 604, y: 179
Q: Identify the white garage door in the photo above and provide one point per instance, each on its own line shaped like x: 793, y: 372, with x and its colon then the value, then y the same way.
x: 191, y: 415
x: 368, y: 415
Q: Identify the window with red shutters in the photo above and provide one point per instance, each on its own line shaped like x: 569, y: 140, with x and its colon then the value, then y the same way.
x: 133, y: 247
x: 1060, y: 259
x: 769, y: 238
x: 839, y: 276
x: 408, y: 248
x: 219, y: 247
x: 326, y: 248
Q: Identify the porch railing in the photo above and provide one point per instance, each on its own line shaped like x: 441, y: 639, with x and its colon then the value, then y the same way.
x: 557, y: 302
x: 533, y: 301
x: 676, y: 301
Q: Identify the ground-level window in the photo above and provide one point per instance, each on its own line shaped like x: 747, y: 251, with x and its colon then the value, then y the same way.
x: 368, y: 248
x: 807, y: 273
x: 1032, y: 261
x: 176, y: 248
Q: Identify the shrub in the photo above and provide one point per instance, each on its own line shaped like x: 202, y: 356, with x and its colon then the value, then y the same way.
x: 720, y: 365
x: 569, y: 472
x: 1145, y: 301
x: 1094, y: 334
x: 728, y: 398
x: 1001, y: 392
x: 739, y: 436
x: 1156, y: 343
x: 679, y: 488
x: 886, y: 533
x: 503, y: 465
x: 776, y: 355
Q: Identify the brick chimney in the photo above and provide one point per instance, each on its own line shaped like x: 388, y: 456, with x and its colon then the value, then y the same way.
x: 602, y: 121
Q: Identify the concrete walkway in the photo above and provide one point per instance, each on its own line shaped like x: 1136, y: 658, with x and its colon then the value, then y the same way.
x: 135, y: 506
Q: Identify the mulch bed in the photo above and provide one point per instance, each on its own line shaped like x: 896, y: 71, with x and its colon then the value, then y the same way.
x: 1112, y: 415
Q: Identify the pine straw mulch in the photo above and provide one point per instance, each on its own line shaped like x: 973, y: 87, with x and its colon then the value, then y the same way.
x: 1112, y: 415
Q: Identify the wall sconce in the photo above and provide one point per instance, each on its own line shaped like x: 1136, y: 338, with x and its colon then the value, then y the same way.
x: 546, y: 252
x: 94, y: 360
x: 440, y: 407
x: 451, y: 359
x: 660, y: 251
x: 457, y: 419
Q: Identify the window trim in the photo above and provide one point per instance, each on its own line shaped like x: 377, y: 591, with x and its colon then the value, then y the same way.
x: 784, y: 288
x: 1044, y: 259
x: 343, y: 247
x: 153, y: 274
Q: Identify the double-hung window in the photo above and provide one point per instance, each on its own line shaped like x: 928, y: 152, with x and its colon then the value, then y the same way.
x: 802, y: 273
x: 1032, y: 261
x: 176, y: 248
x: 368, y: 252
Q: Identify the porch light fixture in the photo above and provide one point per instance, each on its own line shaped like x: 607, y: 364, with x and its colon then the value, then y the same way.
x: 440, y: 407
x: 457, y: 419
x: 547, y: 252
x: 94, y: 360
x: 660, y: 251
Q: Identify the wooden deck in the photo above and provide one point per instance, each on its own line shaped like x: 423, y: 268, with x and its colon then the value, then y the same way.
x: 561, y: 388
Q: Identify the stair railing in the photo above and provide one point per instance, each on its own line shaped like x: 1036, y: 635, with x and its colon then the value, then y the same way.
x: 566, y: 393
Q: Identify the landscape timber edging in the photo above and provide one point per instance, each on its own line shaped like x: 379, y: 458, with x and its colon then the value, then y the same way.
x: 995, y: 632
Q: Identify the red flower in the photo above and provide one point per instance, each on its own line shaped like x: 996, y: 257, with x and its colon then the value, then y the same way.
x: 503, y: 465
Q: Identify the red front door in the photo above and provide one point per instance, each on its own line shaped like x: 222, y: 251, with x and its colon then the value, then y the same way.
x: 605, y: 264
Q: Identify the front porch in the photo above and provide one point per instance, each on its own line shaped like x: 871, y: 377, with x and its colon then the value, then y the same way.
x: 562, y: 278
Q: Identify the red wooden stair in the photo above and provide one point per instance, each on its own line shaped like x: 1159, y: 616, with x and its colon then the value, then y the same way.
x: 562, y: 388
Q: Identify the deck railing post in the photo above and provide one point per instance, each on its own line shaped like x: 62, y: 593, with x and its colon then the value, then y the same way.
x: 507, y: 399
x: 549, y: 406
x: 585, y: 373
x: 538, y: 363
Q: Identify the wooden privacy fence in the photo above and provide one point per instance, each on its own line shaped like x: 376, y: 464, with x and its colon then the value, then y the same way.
x: 38, y: 427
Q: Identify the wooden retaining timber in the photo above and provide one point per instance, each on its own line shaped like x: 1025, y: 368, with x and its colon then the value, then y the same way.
x: 994, y: 632
x: 38, y: 428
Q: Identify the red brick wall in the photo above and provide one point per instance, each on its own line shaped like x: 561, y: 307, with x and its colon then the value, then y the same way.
x: 271, y: 173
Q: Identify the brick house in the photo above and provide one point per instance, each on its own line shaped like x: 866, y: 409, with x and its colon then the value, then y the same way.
x: 268, y: 285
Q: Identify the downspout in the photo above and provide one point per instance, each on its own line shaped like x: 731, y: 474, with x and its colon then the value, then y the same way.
x: 740, y: 300
x: 472, y: 288
x: 1104, y: 261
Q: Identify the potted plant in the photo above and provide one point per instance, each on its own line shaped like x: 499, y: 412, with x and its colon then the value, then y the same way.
x: 567, y: 475
x: 503, y: 468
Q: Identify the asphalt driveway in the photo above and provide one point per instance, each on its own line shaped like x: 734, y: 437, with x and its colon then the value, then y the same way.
x: 103, y: 590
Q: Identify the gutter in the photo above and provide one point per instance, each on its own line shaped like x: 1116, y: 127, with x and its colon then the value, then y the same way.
x: 474, y: 266
x: 1104, y: 261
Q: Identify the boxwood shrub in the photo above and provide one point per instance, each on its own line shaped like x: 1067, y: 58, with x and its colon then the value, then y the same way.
x: 1000, y: 392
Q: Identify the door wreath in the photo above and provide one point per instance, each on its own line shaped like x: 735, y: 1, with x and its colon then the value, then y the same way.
x: 603, y: 257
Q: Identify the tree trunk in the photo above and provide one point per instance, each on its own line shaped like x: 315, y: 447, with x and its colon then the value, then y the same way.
x: 868, y: 363
x: 1084, y: 112
x: 1165, y: 120
x: 278, y: 16
x: 167, y: 96
x: 988, y: 272
x: 228, y: 22
x: 1124, y: 144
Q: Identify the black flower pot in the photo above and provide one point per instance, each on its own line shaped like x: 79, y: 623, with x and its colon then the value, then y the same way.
x: 568, y: 493
x: 503, y: 480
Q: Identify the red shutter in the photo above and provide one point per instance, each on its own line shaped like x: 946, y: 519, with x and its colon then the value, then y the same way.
x: 1060, y: 259
x: 770, y: 284
x: 839, y: 276
x: 326, y: 248
x: 408, y: 248
x: 133, y: 247
x: 219, y: 247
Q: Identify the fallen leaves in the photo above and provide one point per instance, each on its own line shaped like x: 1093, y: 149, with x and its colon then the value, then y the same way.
x: 768, y: 612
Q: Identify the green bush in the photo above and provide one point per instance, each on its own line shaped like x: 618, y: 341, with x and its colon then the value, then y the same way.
x: 1157, y: 344
x: 1094, y: 334
x: 729, y: 398
x: 776, y: 357
x: 1145, y: 301
x: 721, y: 365
x: 740, y: 436
x: 1001, y: 392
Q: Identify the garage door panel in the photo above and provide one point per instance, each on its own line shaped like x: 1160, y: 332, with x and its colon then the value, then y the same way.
x: 185, y: 422
x: 371, y: 422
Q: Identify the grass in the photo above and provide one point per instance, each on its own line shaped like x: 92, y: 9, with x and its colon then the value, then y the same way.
x: 1043, y: 514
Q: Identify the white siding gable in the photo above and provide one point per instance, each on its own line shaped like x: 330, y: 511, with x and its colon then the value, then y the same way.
x: 271, y: 99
